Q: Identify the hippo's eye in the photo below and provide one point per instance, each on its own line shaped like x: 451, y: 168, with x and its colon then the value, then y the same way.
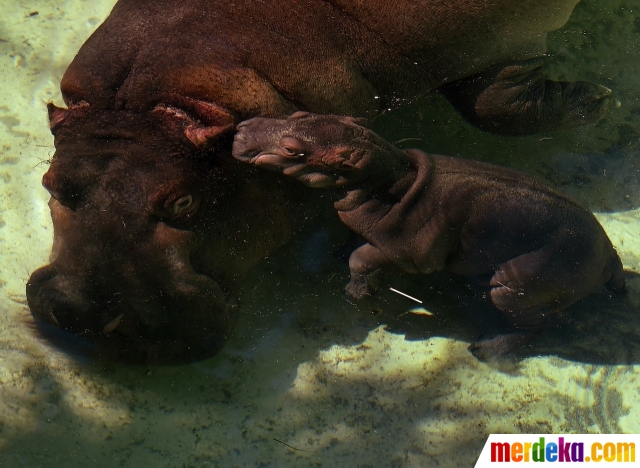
x: 291, y: 147
x: 183, y: 206
x: 291, y: 151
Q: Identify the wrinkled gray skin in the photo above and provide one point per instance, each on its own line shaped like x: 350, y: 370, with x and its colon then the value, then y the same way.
x: 536, y: 250
x: 153, y: 219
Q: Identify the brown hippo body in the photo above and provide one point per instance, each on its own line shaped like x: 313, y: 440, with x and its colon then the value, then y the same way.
x: 342, y: 56
x: 153, y: 219
x: 537, y: 250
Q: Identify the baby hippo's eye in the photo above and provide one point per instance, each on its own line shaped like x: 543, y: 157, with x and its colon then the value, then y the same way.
x: 291, y: 147
x: 183, y: 206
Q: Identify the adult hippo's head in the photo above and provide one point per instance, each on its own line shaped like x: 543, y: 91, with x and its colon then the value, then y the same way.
x: 153, y: 223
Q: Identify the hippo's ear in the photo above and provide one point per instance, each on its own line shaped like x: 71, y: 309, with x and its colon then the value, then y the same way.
x: 298, y: 115
x: 57, y: 115
x: 208, y: 123
x: 341, y: 118
x: 353, y: 120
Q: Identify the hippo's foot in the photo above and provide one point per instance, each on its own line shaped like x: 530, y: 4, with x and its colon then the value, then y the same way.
x: 366, y: 273
x: 582, y: 102
x: 498, y: 346
x: 362, y: 286
x: 516, y: 99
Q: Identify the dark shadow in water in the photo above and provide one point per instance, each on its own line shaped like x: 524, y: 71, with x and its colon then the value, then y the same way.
x: 300, y: 289
x: 603, y: 328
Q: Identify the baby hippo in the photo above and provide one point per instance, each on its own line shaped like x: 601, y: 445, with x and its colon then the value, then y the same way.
x: 537, y: 250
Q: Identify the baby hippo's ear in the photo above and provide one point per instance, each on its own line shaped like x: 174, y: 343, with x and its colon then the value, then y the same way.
x: 353, y: 120
x: 298, y: 115
x: 201, y: 122
x: 341, y: 118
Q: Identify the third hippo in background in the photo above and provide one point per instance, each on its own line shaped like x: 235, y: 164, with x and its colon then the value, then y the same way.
x: 536, y: 250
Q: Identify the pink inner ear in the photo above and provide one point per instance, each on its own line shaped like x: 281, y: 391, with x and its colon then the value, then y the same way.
x: 202, y: 136
x: 209, y: 113
x: 56, y: 114
x: 203, y: 122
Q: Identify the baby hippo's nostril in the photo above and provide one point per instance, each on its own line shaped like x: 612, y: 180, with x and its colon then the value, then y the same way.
x: 241, y: 148
x: 241, y: 127
x: 240, y: 138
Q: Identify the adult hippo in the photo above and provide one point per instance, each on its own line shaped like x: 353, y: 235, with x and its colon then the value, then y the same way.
x: 154, y: 220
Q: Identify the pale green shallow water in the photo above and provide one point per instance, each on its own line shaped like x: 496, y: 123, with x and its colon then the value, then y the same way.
x: 306, y: 366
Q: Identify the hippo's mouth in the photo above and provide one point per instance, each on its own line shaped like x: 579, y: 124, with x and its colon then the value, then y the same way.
x: 188, y: 322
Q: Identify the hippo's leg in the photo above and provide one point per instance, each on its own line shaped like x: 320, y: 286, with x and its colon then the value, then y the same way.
x: 366, y: 264
x: 516, y: 99
x: 529, y: 290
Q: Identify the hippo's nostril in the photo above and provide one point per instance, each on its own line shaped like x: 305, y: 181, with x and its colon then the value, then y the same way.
x: 34, y: 289
x: 39, y: 278
x: 244, y: 124
x: 48, y: 304
x: 241, y: 152
x: 57, y: 301
x: 240, y: 138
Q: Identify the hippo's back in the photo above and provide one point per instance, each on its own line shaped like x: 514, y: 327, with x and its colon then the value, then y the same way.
x: 346, y: 57
x: 458, y: 38
x: 251, y: 57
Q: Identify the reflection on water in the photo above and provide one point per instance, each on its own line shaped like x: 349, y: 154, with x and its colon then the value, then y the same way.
x: 309, y: 377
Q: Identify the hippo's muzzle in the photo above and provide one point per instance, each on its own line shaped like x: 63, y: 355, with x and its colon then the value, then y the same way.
x: 184, y: 319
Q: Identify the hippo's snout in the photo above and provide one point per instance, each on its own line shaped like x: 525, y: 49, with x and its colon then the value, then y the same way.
x: 259, y: 135
x: 189, y: 321
x: 252, y: 137
x: 51, y: 304
x: 243, y: 149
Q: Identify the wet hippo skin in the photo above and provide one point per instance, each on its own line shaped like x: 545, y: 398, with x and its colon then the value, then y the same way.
x: 535, y: 249
x: 154, y: 221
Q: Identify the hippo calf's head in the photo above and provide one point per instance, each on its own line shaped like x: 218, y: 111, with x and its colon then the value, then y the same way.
x: 321, y: 151
x: 141, y: 265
